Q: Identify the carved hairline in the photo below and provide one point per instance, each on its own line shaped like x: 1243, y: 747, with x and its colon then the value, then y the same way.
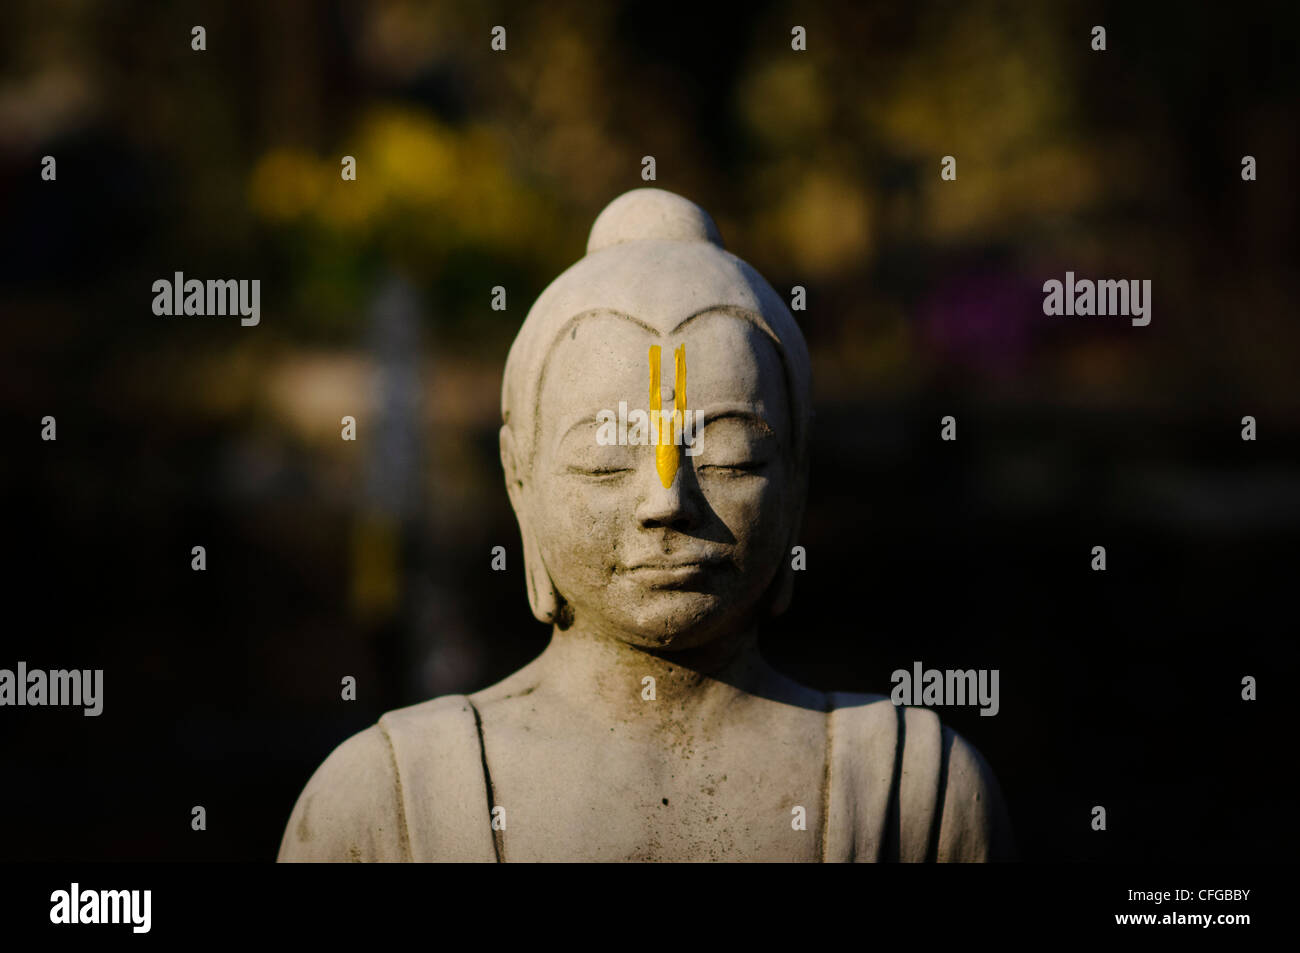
x: 799, y: 416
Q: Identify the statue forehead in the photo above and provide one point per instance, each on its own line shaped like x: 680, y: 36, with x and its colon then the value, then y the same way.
x: 607, y: 355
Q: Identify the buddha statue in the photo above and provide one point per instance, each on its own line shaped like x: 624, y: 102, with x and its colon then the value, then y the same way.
x: 650, y: 728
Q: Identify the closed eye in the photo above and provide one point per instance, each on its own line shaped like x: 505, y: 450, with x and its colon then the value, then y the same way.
x: 599, y: 472
x: 745, y: 466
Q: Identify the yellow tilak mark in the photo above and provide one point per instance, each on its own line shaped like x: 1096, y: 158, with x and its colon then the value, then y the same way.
x: 667, y: 453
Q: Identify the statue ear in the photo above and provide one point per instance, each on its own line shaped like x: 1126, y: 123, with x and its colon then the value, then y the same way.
x: 782, y: 588
x: 543, y: 598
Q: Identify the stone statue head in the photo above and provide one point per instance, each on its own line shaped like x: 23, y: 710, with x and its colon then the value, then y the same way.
x: 660, y: 545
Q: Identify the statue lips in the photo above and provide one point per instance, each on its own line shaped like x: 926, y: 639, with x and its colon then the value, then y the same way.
x: 680, y: 573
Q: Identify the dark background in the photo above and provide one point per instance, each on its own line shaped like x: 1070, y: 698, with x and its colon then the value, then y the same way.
x: 477, y: 169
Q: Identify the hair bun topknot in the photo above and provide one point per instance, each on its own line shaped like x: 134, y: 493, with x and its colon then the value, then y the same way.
x: 651, y: 215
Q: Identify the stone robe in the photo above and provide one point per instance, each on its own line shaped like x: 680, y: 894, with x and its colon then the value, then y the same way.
x: 415, y: 787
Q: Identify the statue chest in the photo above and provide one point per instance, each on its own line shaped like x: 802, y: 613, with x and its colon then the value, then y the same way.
x: 755, y: 796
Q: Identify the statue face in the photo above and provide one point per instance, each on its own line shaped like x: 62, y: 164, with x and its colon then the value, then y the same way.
x: 664, y: 567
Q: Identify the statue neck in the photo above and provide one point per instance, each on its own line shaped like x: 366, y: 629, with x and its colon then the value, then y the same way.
x: 607, y: 676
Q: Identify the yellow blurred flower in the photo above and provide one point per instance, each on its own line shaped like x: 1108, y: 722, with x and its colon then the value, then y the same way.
x: 285, y: 185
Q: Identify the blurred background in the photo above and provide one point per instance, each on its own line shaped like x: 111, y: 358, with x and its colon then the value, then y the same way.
x: 475, y: 169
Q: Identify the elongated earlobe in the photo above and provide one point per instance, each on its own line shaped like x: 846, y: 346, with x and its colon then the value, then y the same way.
x: 781, y: 591
x: 543, y: 598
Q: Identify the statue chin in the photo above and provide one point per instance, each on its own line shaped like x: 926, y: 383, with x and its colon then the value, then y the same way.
x: 671, y: 640
x: 673, y: 622
x: 657, y: 611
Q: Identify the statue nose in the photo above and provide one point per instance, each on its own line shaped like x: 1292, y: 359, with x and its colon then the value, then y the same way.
x: 672, y: 505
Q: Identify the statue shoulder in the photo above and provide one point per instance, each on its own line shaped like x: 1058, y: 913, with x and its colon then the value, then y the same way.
x: 901, y: 762
x: 391, y: 792
x: 351, y: 808
x: 974, y: 825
